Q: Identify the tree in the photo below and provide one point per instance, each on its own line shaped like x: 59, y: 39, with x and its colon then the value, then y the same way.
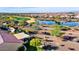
x: 21, y: 48
x: 56, y: 31
x: 57, y: 19
x: 21, y: 23
x: 8, y: 19
x: 32, y: 45
x: 36, y: 43
x: 58, y: 22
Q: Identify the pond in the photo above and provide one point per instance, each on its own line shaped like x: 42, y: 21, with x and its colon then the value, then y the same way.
x: 46, y: 22
x: 70, y: 23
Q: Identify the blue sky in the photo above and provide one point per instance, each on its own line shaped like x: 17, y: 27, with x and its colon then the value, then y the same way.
x: 37, y: 9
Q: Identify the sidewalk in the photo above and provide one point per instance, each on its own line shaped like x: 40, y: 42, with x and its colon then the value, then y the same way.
x: 1, y: 39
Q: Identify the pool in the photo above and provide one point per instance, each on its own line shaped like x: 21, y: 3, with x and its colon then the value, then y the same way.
x: 45, y: 22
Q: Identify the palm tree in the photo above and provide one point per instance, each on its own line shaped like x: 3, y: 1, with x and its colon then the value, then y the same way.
x: 57, y: 19
x: 31, y: 45
x: 58, y: 22
x: 36, y: 43
x: 22, y: 48
x: 55, y: 31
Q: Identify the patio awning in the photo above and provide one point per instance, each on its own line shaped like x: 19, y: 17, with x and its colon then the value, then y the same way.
x: 21, y: 35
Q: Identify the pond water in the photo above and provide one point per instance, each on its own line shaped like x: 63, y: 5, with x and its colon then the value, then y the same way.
x: 61, y: 23
x: 46, y: 22
x: 70, y: 23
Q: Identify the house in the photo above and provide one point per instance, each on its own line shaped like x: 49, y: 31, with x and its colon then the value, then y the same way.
x: 8, y: 42
x: 12, y: 29
x: 9, y: 38
x: 76, y: 16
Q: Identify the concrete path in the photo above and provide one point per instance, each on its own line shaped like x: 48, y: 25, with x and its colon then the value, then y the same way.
x: 9, y: 46
x: 1, y: 40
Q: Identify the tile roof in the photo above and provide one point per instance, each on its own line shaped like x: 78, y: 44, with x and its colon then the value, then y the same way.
x: 9, y: 38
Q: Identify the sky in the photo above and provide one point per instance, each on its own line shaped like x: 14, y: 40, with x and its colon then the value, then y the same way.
x: 37, y: 9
